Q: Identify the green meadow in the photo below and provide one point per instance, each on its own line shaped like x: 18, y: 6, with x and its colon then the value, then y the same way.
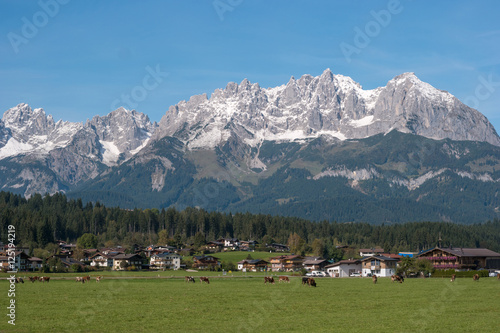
x: 245, y: 304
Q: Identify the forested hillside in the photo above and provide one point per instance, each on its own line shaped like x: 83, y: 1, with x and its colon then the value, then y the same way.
x: 42, y: 220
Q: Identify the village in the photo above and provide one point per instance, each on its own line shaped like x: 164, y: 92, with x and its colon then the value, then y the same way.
x: 364, y: 263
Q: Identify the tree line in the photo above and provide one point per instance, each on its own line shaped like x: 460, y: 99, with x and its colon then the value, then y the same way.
x: 41, y: 220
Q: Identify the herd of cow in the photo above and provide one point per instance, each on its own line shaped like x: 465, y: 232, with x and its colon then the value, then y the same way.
x: 267, y: 279
x: 34, y: 278
x: 84, y: 279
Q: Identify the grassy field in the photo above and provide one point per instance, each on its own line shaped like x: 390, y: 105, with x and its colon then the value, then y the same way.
x: 235, y: 304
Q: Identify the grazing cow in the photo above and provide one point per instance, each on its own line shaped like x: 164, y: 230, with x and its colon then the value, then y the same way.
x: 311, y: 282
x: 498, y: 276
x: 284, y: 279
x: 45, y: 278
x: 397, y: 278
x: 189, y: 279
x: 453, y: 277
x: 374, y: 279
x: 86, y: 278
x: 475, y: 277
x: 98, y: 278
x: 33, y: 278
x: 204, y: 279
x: 19, y: 280
x: 269, y: 279
x: 304, y: 280
x: 80, y: 279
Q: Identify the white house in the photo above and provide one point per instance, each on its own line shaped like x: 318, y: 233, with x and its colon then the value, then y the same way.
x: 379, y: 265
x: 165, y: 260
x: 344, y: 268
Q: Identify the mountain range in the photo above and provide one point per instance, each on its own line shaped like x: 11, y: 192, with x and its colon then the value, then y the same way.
x: 316, y: 147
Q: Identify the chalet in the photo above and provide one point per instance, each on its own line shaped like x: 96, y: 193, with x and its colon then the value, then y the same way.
x: 121, y: 261
x: 278, y: 247
x: 215, y: 246
x: 289, y: 263
x: 248, y: 245
x: 165, y: 260
x: 34, y: 263
x: 314, y: 264
x: 370, y: 252
x: 206, y: 262
x: 20, y: 262
x: 253, y: 265
x: 462, y: 258
x: 344, y: 268
x: 378, y: 265
x: 101, y: 260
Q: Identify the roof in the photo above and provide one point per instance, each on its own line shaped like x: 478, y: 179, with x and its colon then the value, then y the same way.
x: 372, y: 250
x: 314, y: 261
x: 123, y: 256
x: 466, y: 252
x: 383, y: 258
x: 345, y: 262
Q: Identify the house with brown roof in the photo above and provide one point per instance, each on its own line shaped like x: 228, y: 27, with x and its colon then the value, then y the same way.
x: 127, y: 260
x: 206, y: 262
x: 291, y: 263
x: 378, y: 265
x: 101, y: 260
x: 370, y: 252
x: 314, y: 263
x: 253, y: 265
x: 459, y: 258
x: 344, y: 268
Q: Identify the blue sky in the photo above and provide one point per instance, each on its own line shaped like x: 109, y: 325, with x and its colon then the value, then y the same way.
x: 82, y: 57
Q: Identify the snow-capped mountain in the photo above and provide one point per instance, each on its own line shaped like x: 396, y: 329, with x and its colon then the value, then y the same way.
x: 313, y: 147
x: 328, y: 104
x: 118, y: 135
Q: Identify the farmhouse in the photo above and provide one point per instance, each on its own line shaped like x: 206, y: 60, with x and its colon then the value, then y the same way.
x: 462, y: 258
x: 254, y: 265
x: 230, y: 243
x: 278, y: 247
x: 21, y: 260
x: 101, y: 260
x: 378, y: 265
x: 215, y: 246
x: 165, y: 261
x: 344, y: 268
x: 289, y: 263
x: 314, y: 264
x: 205, y: 262
x: 121, y: 261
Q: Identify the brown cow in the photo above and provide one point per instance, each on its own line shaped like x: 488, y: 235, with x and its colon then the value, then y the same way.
x: 45, y: 278
x: 311, y: 282
x: 204, y: 279
x: 33, y: 278
x: 19, y: 280
x: 284, y: 279
x: 189, y: 279
x: 98, y: 278
x: 453, y: 277
x: 498, y: 276
x: 374, y: 279
x: 304, y: 280
x: 475, y: 277
x: 269, y: 279
x: 80, y: 279
x: 397, y: 278
x: 87, y: 278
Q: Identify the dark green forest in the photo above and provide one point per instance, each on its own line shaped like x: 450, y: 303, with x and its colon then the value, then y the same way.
x: 41, y: 220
